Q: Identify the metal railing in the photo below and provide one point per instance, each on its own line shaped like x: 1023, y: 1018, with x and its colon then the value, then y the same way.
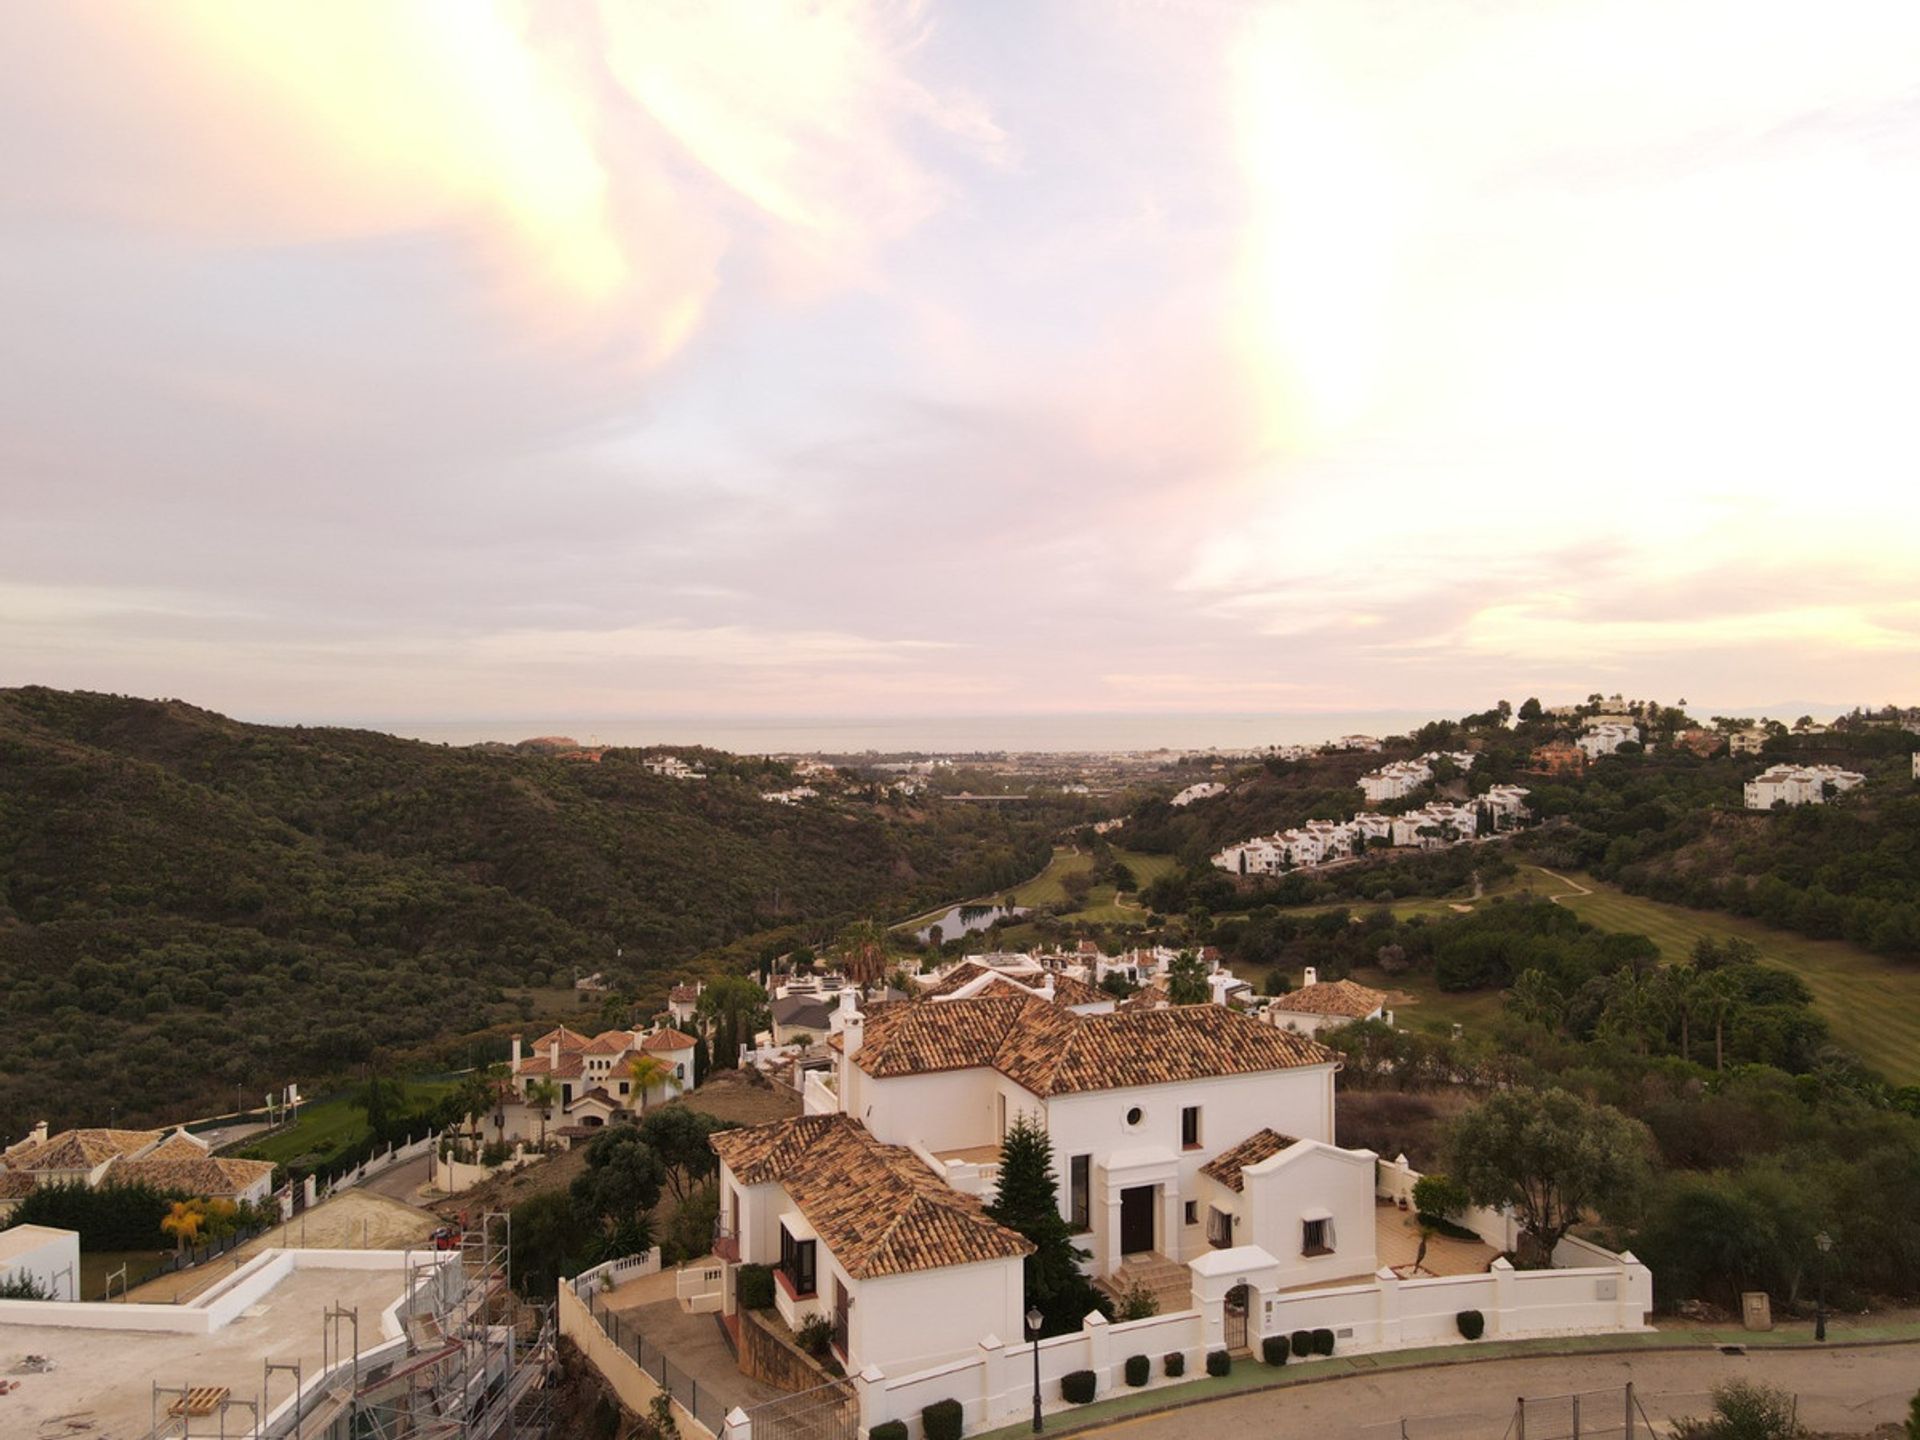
x: 703, y: 1402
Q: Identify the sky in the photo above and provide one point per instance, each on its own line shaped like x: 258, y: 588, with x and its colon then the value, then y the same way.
x: 389, y: 361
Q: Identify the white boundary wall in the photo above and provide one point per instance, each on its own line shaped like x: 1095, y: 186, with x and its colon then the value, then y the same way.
x: 221, y: 1305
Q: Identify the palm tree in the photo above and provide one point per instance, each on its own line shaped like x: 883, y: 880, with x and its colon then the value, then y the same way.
x: 1719, y: 993
x: 861, y: 949
x: 184, y: 1222
x: 1636, y: 1008
x: 1537, y: 1000
x: 543, y: 1093
x: 649, y: 1071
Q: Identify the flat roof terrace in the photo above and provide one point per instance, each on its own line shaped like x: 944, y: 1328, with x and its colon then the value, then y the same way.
x: 106, y: 1375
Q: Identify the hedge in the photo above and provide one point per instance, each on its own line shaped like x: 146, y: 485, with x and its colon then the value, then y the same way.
x: 942, y: 1420
x: 1302, y: 1343
x: 1219, y: 1362
x: 1175, y: 1365
x: 1472, y: 1324
x: 1077, y: 1387
x: 1138, y: 1368
x: 1323, y: 1342
x: 753, y: 1287
x: 1273, y: 1349
x: 888, y: 1430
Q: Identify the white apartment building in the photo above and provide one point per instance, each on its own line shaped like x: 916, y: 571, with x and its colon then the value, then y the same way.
x: 1205, y: 790
x: 593, y: 1079
x: 1606, y: 738
x: 1355, y: 742
x: 1785, y: 786
x: 1748, y: 741
x: 1506, y: 805
x: 673, y: 767
x: 1394, y: 780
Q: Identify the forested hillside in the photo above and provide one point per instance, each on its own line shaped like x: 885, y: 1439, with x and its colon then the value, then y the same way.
x: 189, y: 904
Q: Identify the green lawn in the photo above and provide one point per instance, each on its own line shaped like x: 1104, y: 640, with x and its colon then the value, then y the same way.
x: 1872, y: 1003
x: 326, y: 1126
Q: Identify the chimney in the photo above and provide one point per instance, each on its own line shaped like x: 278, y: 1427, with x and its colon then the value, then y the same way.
x: 39, y: 1135
x: 1312, y: 977
x: 516, y: 1053
x: 1046, y: 986
x: 849, y: 1001
x: 553, y: 1055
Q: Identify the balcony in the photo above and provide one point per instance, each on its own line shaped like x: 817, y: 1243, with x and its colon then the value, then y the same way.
x: 972, y: 1169
x: 726, y: 1244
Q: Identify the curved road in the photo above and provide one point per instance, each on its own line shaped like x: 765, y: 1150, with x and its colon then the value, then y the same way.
x: 1841, y: 1391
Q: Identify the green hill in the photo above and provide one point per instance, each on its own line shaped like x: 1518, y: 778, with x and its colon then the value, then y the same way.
x: 189, y: 904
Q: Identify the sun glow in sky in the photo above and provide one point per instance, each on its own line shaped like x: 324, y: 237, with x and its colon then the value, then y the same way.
x: 463, y: 357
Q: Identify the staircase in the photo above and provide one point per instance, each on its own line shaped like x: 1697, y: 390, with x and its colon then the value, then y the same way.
x: 1170, y: 1282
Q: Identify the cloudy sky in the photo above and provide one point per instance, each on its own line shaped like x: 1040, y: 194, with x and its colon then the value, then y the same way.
x: 383, y: 361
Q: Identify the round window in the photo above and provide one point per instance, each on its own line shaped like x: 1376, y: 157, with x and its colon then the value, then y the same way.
x: 1135, y: 1115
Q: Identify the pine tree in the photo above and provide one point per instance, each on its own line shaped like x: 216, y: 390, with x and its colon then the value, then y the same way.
x: 1027, y: 1203
x: 701, y: 1062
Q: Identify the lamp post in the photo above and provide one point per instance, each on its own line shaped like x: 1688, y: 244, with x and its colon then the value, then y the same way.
x: 1034, y: 1317
x: 1822, y: 1242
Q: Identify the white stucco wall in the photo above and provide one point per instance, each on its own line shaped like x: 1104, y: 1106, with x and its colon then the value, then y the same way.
x: 945, y: 1110
x: 50, y: 1257
x: 904, y: 1323
x: 1282, y: 1190
x: 1232, y: 1107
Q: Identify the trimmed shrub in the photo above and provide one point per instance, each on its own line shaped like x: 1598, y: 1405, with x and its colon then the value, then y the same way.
x: 941, y: 1420
x: 1323, y: 1342
x: 1219, y: 1362
x: 1175, y: 1365
x: 815, y: 1336
x: 1439, y: 1195
x: 1076, y: 1387
x: 1274, y: 1349
x: 1472, y: 1324
x: 888, y: 1430
x: 1302, y: 1344
x: 753, y: 1287
x: 1139, y: 1369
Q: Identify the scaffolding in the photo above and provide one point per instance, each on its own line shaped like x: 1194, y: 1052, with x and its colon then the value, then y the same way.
x: 475, y: 1362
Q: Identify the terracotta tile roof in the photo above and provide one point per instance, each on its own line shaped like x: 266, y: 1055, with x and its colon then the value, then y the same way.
x: 177, y: 1147
x: 684, y: 994
x: 14, y: 1184
x: 1054, y: 1051
x: 83, y: 1149
x: 570, y: 1040
x: 1066, y: 989
x: 610, y: 1042
x: 1069, y: 991
x: 1148, y: 997
x: 202, y: 1174
x: 570, y: 1067
x: 1261, y: 1145
x: 878, y: 1208
x: 1333, y: 997
x: 668, y: 1040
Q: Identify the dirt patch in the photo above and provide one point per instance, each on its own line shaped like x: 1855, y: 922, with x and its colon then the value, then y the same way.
x: 351, y: 1220
x: 729, y: 1095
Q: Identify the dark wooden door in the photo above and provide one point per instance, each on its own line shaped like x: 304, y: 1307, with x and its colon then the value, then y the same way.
x: 1136, y: 1220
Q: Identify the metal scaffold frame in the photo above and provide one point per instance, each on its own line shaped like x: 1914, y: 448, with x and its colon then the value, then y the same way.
x: 477, y: 1365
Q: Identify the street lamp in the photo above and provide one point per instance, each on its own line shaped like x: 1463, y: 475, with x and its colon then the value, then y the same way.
x: 1034, y: 1317
x: 1822, y: 1242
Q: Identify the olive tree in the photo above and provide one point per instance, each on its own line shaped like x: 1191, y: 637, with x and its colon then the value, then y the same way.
x: 1552, y: 1156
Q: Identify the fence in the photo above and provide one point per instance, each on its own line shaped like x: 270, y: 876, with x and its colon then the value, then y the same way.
x: 212, y: 1250
x: 386, y: 1160
x: 700, y: 1288
x: 1621, y: 1412
x: 703, y: 1403
x: 615, y: 1272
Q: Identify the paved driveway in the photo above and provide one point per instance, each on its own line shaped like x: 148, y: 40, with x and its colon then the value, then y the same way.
x: 694, y: 1344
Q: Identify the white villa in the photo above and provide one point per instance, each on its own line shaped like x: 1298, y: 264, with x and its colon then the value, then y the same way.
x: 1749, y: 741
x: 1319, y: 1006
x: 1205, y: 790
x: 592, y: 1078
x: 673, y: 767
x: 1354, y: 742
x: 1321, y: 842
x: 1605, y: 738
x: 791, y: 796
x: 1195, y: 1154
x: 166, y: 1160
x: 1784, y: 786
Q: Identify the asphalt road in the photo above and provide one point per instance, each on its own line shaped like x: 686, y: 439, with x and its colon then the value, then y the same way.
x: 1841, y: 1391
x: 402, y: 1180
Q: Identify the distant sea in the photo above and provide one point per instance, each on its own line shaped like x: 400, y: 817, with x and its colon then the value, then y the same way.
x: 947, y: 734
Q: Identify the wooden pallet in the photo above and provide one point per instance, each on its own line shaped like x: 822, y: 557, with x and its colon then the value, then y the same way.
x: 200, y: 1400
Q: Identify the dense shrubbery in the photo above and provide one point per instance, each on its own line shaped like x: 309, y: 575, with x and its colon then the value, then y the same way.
x: 1175, y: 1365
x: 1219, y: 1362
x: 1274, y: 1349
x: 113, y: 1217
x: 1138, y: 1370
x: 1077, y: 1387
x: 1471, y: 1324
x: 385, y: 892
x: 942, y: 1420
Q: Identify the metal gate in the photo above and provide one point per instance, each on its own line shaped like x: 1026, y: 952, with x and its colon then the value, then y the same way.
x: 827, y: 1412
x: 1236, y: 1317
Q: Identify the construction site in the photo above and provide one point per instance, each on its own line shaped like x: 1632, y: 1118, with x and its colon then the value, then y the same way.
x: 418, y: 1344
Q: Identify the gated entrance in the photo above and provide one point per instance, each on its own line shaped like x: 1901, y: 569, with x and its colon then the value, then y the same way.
x: 1238, y: 1299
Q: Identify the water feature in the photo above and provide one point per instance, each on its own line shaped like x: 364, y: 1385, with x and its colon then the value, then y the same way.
x: 968, y: 919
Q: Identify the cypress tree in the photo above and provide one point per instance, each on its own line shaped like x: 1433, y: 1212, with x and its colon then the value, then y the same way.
x: 1027, y: 1203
